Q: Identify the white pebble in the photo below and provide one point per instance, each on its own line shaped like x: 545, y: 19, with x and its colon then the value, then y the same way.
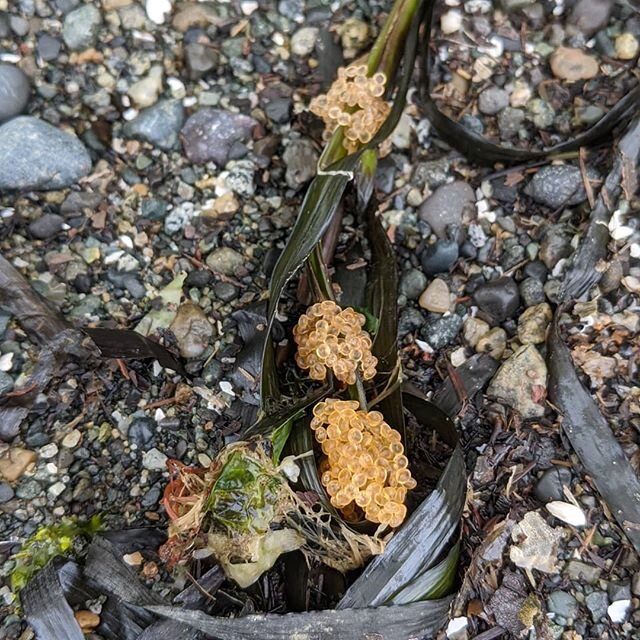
x: 248, y: 7
x: 569, y: 513
x: 451, y: 21
x: 157, y: 10
x: 619, y: 610
x: 72, y: 439
x: 56, y: 489
x: 6, y: 361
x: 457, y: 628
x: 49, y: 451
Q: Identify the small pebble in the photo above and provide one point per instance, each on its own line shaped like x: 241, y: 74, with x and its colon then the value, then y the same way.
x: 436, y: 297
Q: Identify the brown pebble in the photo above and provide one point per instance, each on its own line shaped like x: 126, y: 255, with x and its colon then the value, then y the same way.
x: 87, y: 620
x: 573, y: 64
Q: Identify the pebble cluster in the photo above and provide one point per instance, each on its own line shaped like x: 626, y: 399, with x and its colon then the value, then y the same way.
x: 354, y: 102
x: 329, y: 337
x: 365, y: 469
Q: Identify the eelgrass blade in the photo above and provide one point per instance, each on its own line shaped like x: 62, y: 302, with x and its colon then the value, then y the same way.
x: 46, y: 609
x: 398, y: 622
x: 589, y: 434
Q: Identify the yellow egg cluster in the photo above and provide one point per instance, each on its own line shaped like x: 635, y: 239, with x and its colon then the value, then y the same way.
x: 365, y: 467
x: 355, y: 102
x: 330, y: 337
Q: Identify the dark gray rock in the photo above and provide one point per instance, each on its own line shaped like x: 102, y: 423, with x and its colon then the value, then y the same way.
x: 493, y: 100
x: 551, y: 482
x: 201, y: 58
x: 37, y: 156
x: 225, y: 291
x: 554, y: 246
x: 209, y: 134
x: 159, y: 125
x: 536, y: 269
x: 412, y: 283
x: 46, y: 226
x: 154, y: 208
x: 619, y: 591
x: 6, y: 492
x: 597, y: 603
x: 532, y: 292
x: 15, y: 90
x: 48, y: 47
x: 439, y: 257
x: 441, y: 331
x: 28, y: 489
x: 198, y: 278
x: 80, y: 201
x: 590, y: 15
x: 446, y: 205
x: 558, y: 186
x: 142, y: 433
x: 6, y: 382
x: 563, y: 604
x: 499, y: 298
x: 81, y: 26
x: 410, y: 320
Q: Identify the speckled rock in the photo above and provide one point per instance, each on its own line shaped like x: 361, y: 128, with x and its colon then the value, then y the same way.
x: 15, y: 90
x: 494, y: 342
x: 209, y: 134
x: 533, y: 323
x: 37, y: 156
x: 80, y: 27
x: 225, y: 260
x: 521, y: 382
x: 493, y: 100
x: 558, y: 185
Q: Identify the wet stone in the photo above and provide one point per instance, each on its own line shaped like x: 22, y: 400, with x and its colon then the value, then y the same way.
x: 499, y: 298
x: 573, y: 64
x: 192, y: 330
x: 558, y: 185
x: 28, y: 489
x: 590, y: 15
x: 563, y: 604
x: 38, y: 156
x: 494, y: 342
x: 201, y: 59
x: 446, y: 206
x: 533, y: 323
x: 532, y: 292
x: 209, y: 134
x: 142, y: 432
x: 550, y: 485
x: 436, y: 297
x: 225, y: 291
x: 159, y: 124
x: 439, y: 257
x: 46, y: 226
x: 15, y: 89
x: 198, y: 278
x: 555, y: 246
x: 597, y: 603
x: 6, y: 383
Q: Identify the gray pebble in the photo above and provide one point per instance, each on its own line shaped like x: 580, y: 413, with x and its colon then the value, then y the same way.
x: 541, y: 113
x: 509, y: 122
x: 40, y: 157
x: 48, y: 47
x: 28, y: 489
x: 558, y: 185
x: 499, y: 298
x: 412, y: 283
x: 410, y: 321
x: 225, y: 291
x: 200, y: 59
x: 6, y: 382
x: 301, y: 160
x: 80, y: 27
x: 550, y: 485
x: 446, y: 206
x: 441, y: 331
x: 532, y: 292
x: 6, y: 492
x: 554, y: 246
x: 46, y: 226
x: 15, y: 90
x: 597, y: 603
x: 159, y: 125
x: 493, y: 100
x: 563, y: 604
x: 142, y: 433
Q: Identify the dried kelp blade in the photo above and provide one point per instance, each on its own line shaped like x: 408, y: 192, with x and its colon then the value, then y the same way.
x: 591, y: 437
x: 476, y: 148
x: 423, y: 538
x: 125, y: 343
x: 46, y: 609
x: 401, y: 622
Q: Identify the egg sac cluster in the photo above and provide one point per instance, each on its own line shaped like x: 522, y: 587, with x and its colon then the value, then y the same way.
x: 354, y: 102
x: 330, y: 337
x: 365, y: 469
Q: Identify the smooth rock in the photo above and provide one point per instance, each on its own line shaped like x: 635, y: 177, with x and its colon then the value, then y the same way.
x: 439, y: 257
x: 627, y: 46
x: 37, y: 156
x: 15, y: 90
x: 554, y: 246
x: 79, y: 202
x: 573, y: 64
x: 81, y: 26
x: 14, y: 462
x: 6, y: 492
x: 493, y: 100
x: 590, y: 15
x: 551, y: 484
x: 159, y: 125
x: 6, y: 383
x: 474, y: 329
x: 597, y: 602
x: 498, y: 298
x: 413, y: 283
x: 225, y: 291
x: 145, y: 92
x: 533, y: 323
x: 142, y: 433
x: 583, y: 572
x: 46, y: 226
x: 494, y: 342
x: 521, y: 382
x: 209, y: 134
x: 192, y: 330
x: 436, y: 297
x: 48, y: 47
x: 225, y: 260
x: 301, y: 160
x: 451, y: 21
x: 563, y: 604
x: 558, y: 185
x: 201, y: 58
x: 154, y: 460
x: 446, y: 206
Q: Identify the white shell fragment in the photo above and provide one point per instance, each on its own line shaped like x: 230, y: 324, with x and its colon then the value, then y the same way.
x: 457, y: 628
x: 569, y: 513
x: 619, y: 610
x: 157, y: 10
